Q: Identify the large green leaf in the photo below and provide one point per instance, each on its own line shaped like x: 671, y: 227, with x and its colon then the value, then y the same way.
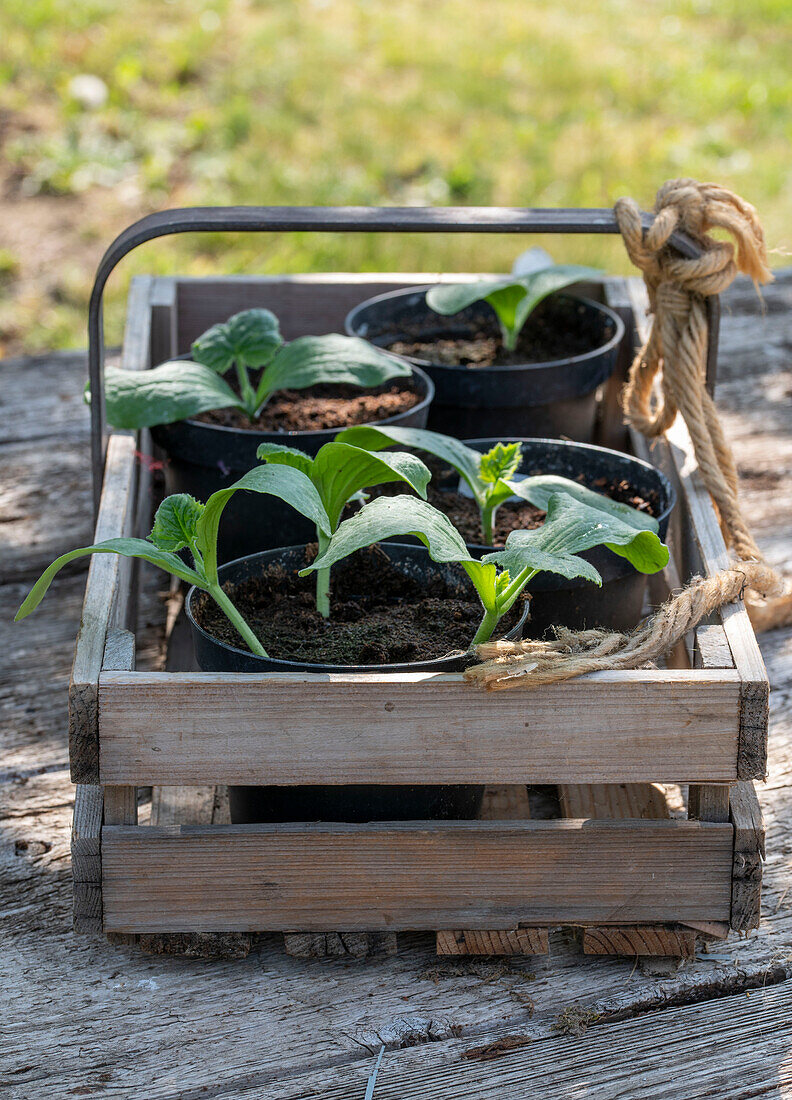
x: 170, y: 392
x: 512, y: 298
x: 279, y: 455
x: 128, y: 548
x: 290, y: 485
x: 570, y: 528
x: 464, y: 459
x: 176, y: 522
x: 340, y: 470
x: 311, y: 360
x: 385, y: 517
x: 538, y: 490
x: 251, y: 337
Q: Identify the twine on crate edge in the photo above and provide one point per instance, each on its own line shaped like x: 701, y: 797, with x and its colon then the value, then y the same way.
x: 674, y: 356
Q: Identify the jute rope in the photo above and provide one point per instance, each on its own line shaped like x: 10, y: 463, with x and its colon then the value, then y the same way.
x: 668, y: 375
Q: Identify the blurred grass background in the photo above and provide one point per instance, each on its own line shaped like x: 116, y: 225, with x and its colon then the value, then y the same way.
x: 423, y: 102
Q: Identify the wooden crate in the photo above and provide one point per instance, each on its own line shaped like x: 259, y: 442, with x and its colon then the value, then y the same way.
x: 616, y: 863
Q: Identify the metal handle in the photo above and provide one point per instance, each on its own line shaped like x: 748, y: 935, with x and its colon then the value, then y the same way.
x: 347, y: 219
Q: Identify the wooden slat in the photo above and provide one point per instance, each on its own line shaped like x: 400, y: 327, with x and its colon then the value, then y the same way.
x: 613, y: 801
x: 517, y: 941
x: 322, y: 945
x: 472, y: 875
x: 643, y: 939
x: 401, y: 727
x: 86, y: 839
x: 749, y: 850
x: 99, y: 610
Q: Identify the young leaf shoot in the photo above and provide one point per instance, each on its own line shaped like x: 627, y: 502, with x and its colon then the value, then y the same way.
x: 491, y: 476
x: 499, y: 578
x: 249, y: 342
x: 513, y: 297
x: 183, y: 523
x: 339, y: 473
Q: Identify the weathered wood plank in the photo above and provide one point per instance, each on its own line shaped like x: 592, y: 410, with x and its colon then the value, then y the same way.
x: 99, y: 610
x: 475, y: 874
x: 613, y: 800
x: 642, y: 939
x: 86, y: 856
x: 397, y: 729
x: 749, y: 851
x: 516, y: 941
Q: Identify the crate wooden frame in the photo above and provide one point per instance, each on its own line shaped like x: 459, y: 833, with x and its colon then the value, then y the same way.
x: 635, y: 885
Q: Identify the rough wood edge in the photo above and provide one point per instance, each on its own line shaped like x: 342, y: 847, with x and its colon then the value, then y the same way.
x: 357, y: 945
x: 516, y: 941
x: 86, y: 857
x: 644, y: 939
x: 749, y: 851
x: 100, y: 605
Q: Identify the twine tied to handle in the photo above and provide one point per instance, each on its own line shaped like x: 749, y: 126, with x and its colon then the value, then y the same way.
x: 674, y: 356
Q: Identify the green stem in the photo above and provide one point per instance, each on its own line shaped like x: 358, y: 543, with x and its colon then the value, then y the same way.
x: 488, y: 624
x: 322, y: 581
x: 245, y: 388
x: 234, y: 617
x: 487, y: 522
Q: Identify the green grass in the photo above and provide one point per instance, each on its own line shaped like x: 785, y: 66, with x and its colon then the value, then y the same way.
x: 362, y: 101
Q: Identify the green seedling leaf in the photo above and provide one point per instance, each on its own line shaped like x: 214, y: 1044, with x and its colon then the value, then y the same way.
x: 311, y: 360
x: 277, y: 454
x: 502, y: 461
x: 538, y: 491
x: 571, y: 527
x: 384, y: 517
x: 514, y: 298
x: 170, y: 392
x: 463, y: 459
x: 340, y: 471
x: 288, y: 484
x: 128, y: 548
x: 251, y: 337
x: 176, y: 522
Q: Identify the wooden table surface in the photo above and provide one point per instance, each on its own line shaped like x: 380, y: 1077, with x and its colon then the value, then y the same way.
x: 83, y: 1018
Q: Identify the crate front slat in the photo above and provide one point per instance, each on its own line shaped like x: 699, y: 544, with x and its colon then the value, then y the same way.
x: 647, y: 725
x: 413, y: 875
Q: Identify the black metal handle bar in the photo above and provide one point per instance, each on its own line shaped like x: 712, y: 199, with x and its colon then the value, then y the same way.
x: 345, y: 219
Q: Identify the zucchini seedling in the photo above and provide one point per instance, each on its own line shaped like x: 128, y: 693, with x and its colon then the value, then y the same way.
x: 183, y: 523
x: 491, y: 476
x: 499, y: 578
x: 251, y: 343
x: 513, y: 297
x: 340, y: 473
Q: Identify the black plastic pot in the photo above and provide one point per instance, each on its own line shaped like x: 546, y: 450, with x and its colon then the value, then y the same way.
x: 578, y: 604
x: 551, y: 399
x: 203, y: 458
x: 347, y: 802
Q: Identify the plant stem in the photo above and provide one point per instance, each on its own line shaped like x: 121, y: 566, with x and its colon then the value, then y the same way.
x: 245, y: 388
x: 322, y: 580
x: 236, y: 620
x: 488, y: 624
x: 487, y: 520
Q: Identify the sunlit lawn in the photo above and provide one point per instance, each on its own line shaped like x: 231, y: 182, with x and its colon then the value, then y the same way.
x: 514, y: 102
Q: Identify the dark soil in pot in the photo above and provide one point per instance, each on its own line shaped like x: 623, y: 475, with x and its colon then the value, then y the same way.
x: 215, y: 449
x: 576, y: 604
x: 393, y: 609
x: 547, y: 387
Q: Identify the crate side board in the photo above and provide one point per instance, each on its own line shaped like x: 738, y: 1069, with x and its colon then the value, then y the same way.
x: 646, y: 725
x: 413, y: 875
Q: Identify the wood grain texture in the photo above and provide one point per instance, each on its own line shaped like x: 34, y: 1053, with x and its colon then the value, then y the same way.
x: 516, y: 941
x: 643, y: 939
x: 396, y: 728
x: 338, y: 945
x: 86, y: 857
x: 613, y: 800
x: 749, y: 851
x: 99, y: 609
x: 473, y: 874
